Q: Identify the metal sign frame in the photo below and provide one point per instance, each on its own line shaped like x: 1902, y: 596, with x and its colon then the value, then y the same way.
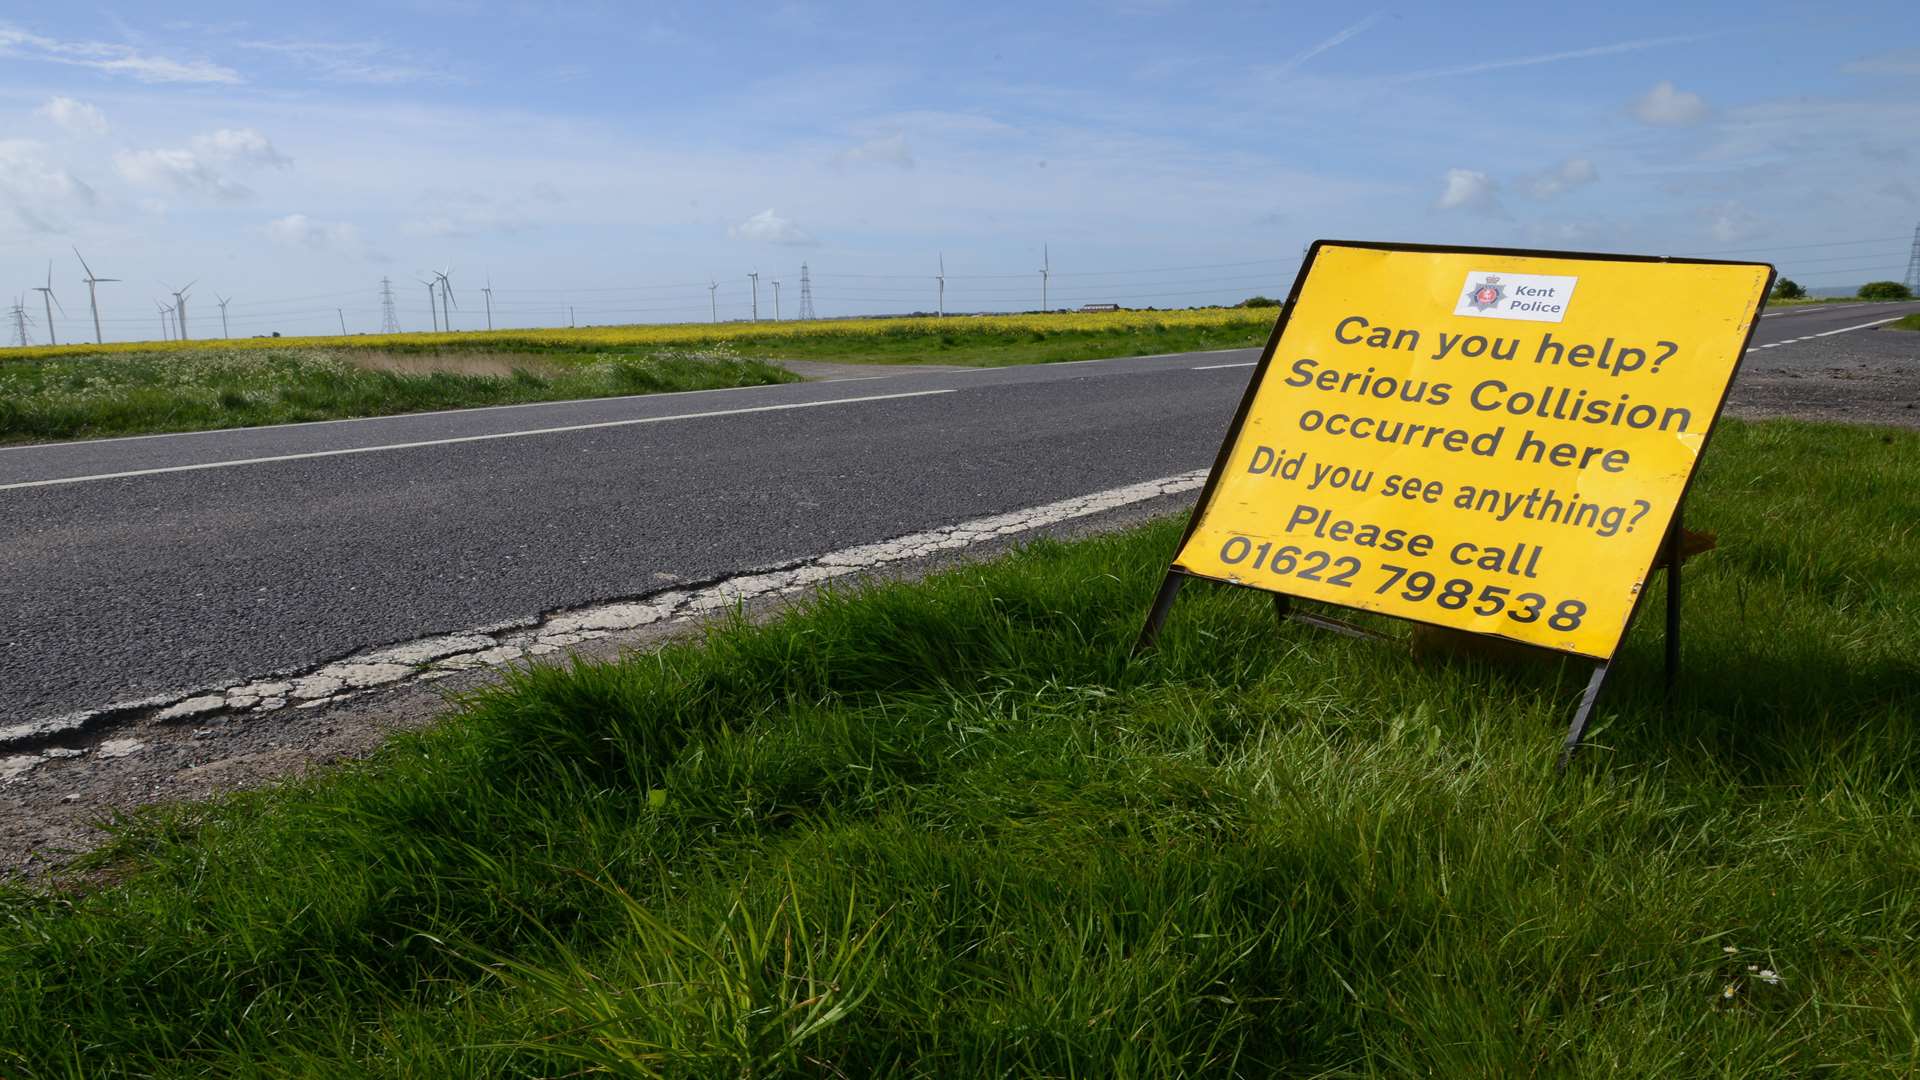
x: 1669, y: 549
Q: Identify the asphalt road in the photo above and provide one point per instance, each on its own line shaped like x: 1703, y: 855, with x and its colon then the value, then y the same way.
x: 146, y: 565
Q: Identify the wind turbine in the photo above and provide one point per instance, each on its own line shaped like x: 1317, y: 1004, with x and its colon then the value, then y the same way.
x: 713, y: 301
x: 50, y: 301
x: 447, y: 303
x: 434, y: 311
x: 1046, y: 271
x: 92, y: 298
x: 488, y: 293
x: 223, y: 312
x: 756, y: 294
x: 941, y: 277
x: 776, y: 300
x: 166, y: 324
x: 180, y: 305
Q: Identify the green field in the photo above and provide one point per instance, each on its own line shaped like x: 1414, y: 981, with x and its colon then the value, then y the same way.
x: 1911, y: 322
x: 950, y: 829
x: 81, y: 396
x: 71, y: 392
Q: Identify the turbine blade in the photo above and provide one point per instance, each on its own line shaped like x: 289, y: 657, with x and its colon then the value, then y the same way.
x: 84, y: 266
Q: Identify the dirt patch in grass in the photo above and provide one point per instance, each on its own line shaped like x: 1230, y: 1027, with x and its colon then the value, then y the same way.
x: 497, y: 365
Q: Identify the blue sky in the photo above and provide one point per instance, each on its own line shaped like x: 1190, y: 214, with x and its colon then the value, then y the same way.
x: 617, y: 159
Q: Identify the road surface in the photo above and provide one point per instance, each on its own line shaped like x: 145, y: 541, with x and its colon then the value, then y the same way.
x: 147, y: 565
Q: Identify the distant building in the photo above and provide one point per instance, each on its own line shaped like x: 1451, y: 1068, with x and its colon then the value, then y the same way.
x: 1099, y: 307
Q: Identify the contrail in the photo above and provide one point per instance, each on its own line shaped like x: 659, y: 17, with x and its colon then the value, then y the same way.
x: 1551, y: 58
x: 1333, y: 42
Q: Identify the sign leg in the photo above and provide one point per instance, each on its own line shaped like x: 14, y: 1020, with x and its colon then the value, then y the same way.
x: 1162, y: 603
x: 1585, y: 713
x: 1673, y: 608
x: 1282, y: 607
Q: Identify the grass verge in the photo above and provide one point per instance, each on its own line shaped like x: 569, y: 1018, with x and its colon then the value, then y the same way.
x: 82, y: 391
x: 951, y: 829
x: 1911, y: 322
x: 82, y: 396
x: 951, y: 339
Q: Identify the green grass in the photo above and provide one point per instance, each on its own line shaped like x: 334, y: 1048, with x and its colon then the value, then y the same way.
x: 950, y: 829
x: 87, y: 395
x: 140, y: 393
x: 991, y: 346
x: 1911, y: 322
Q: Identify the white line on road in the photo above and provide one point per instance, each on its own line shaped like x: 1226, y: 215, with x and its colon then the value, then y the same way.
x: 1828, y: 333
x: 1217, y: 367
x: 463, y: 439
x: 1812, y: 309
x: 1862, y: 326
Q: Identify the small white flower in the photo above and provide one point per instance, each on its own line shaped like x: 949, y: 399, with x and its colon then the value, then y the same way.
x: 1770, y: 977
x: 1728, y: 949
x: 1753, y: 967
x: 1727, y: 994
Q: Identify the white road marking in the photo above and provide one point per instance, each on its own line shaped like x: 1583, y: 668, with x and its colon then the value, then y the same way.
x: 1828, y: 333
x: 1862, y: 326
x: 1196, y: 352
x: 462, y: 439
x: 1217, y: 367
x: 1812, y: 308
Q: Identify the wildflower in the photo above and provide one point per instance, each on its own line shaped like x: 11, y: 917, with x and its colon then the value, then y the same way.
x: 1770, y: 977
x: 1728, y: 949
x: 1727, y: 994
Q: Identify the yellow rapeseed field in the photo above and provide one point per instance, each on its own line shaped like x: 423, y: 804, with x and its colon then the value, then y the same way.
x: 615, y: 337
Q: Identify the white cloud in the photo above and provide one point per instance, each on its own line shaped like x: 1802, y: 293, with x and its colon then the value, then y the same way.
x: 769, y: 227
x: 364, y: 62
x: 1569, y: 174
x: 1467, y: 190
x: 885, y: 150
x: 1730, y: 223
x: 1899, y: 62
x: 37, y: 196
x: 181, y: 170
x: 459, y: 212
x: 1666, y: 106
x: 112, y: 58
x: 239, y: 146
x: 301, y: 231
x: 76, y: 116
x: 197, y: 169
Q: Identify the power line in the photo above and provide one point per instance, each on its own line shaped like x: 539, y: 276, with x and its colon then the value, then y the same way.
x: 1791, y: 247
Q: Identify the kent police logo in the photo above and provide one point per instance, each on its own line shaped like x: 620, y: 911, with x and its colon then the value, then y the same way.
x: 1487, y: 294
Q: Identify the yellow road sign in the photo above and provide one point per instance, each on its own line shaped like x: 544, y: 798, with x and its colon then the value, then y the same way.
x: 1488, y: 440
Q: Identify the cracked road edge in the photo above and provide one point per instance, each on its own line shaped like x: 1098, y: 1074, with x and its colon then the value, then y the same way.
x: 25, y: 746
